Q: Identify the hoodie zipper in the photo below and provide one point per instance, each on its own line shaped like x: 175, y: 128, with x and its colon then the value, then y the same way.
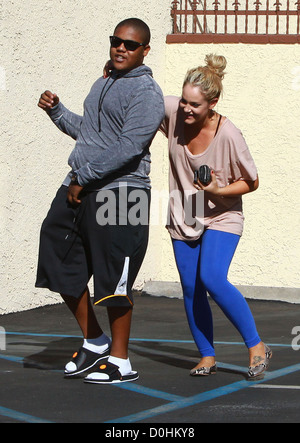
x: 105, y: 90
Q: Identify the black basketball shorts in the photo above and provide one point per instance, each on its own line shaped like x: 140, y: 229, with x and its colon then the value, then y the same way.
x: 106, y: 237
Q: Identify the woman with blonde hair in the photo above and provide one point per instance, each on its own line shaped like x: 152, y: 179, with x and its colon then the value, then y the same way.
x: 210, y: 169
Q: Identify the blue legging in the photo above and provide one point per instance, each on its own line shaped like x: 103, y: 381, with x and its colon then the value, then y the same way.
x: 203, y: 267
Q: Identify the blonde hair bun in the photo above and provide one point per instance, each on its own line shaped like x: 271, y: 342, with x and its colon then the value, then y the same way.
x: 217, y: 64
x: 208, y: 78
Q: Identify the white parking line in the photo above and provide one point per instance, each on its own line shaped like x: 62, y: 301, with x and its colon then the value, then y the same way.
x: 262, y: 386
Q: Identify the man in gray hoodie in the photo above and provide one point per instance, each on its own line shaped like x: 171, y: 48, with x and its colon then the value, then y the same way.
x: 90, y: 229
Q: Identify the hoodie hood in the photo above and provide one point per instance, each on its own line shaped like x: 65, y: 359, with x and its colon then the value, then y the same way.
x: 136, y: 72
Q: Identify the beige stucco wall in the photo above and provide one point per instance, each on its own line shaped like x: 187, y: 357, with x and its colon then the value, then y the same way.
x: 63, y: 46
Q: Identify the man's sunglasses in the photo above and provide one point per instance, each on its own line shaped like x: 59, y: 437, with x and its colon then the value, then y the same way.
x: 130, y: 45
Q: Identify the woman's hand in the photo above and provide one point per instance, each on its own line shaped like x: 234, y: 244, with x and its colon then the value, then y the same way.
x: 212, y: 187
x: 235, y: 189
x: 107, y: 69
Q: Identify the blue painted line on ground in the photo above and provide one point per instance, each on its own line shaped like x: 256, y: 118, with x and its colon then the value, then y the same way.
x: 12, y: 358
x: 128, y: 386
x: 203, y: 397
x: 149, y: 392
x: 153, y: 340
x: 19, y: 416
x: 35, y: 334
x: 175, y: 401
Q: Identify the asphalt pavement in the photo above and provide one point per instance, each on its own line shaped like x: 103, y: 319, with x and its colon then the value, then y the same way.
x: 35, y: 346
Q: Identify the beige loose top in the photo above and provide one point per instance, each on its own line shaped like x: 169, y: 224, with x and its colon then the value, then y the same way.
x: 192, y: 211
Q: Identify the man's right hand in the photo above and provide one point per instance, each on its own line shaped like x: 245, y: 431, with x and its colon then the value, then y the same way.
x: 48, y: 100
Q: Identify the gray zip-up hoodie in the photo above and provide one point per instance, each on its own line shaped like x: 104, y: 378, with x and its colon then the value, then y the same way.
x: 121, y: 116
